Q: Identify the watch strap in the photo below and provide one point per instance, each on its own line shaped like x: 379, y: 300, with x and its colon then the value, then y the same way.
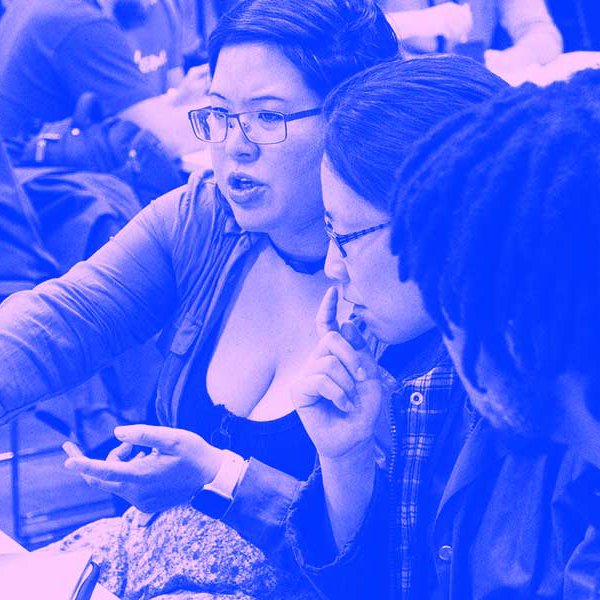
x: 214, y: 498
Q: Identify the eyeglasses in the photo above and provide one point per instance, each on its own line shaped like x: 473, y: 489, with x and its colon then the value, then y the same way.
x: 340, y: 240
x: 259, y: 127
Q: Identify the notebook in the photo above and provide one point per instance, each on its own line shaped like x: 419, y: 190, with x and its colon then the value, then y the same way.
x: 51, y: 576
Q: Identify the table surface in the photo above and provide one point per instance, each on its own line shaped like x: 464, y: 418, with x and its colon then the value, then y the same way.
x: 9, y: 546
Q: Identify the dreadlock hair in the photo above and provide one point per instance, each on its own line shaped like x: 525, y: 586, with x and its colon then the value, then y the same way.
x: 375, y: 117
x: 497, y: 220
x: 326, y: 40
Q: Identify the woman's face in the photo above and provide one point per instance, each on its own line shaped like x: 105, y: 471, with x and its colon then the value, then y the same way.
x: 368, y: 275
x: 269, y: 187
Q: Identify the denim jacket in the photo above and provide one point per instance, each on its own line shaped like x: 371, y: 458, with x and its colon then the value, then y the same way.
x: 170, y: 269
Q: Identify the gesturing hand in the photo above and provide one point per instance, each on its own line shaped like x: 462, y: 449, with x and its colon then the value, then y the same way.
x: 178, y: 464
x: 338, y: 396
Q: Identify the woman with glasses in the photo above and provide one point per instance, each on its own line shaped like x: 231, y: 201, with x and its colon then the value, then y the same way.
x: 230, y: 270
x: 417, y: 495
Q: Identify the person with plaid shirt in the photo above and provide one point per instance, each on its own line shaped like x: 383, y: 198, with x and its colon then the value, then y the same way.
x: 449, y: 507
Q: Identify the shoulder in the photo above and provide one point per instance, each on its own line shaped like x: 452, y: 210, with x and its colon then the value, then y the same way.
x: 60, y: 18
x: 200, y: 202
x: 194, y: 216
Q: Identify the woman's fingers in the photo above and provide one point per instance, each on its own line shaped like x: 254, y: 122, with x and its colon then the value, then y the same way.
x: 112, y: 487
x: 318, y: 387
x: 326, y: 319
x: 331, y: 366
x: 334, y: 343
x: 164, y: 439
x: 72, y: 450
x: 121, y: 452
x: 350, y: 332
x: 100, y: 469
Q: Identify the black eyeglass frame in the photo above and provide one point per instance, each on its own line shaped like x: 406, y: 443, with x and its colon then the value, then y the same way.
x: 287, y: 117
x: 340, y: 240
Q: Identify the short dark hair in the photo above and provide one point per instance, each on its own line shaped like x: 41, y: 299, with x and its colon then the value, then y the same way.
x: 376, y: 116
x: 497, y: 220
x: 327, y: 40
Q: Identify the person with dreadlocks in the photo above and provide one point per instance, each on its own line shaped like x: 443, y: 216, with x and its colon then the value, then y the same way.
x: 489, y: 517
x: 497, y: 221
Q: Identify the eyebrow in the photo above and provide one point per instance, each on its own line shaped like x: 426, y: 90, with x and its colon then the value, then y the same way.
x: 217, y: 95
x: 267, y: 97
x: 264, y: 98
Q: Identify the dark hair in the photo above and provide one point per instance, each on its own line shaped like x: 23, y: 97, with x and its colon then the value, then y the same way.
x: 327, y: 40
x: 497, y: 220
x: 376, y: 116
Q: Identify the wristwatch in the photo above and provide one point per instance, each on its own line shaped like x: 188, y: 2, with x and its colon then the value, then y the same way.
x: 213, y: 499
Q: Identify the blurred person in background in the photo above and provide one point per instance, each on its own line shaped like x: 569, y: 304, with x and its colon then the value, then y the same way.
x: 154, y: 30
x: 25, y: 262
x: 127, y: 53
x: 426, y: 26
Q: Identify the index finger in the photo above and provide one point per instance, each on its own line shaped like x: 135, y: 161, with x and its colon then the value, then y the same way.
x: 71, y: 449
x: 150, y: 436
x: 326, y: 319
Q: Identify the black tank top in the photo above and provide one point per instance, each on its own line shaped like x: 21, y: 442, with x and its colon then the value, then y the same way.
x: 281, y: 443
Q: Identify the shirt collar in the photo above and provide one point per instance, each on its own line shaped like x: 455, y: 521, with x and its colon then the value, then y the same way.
x: 415, y: 357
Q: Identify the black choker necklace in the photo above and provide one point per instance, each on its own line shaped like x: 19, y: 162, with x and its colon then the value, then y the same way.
x: 308, y: 267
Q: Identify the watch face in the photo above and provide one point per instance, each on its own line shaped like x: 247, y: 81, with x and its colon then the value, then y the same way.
x: 210, y: 503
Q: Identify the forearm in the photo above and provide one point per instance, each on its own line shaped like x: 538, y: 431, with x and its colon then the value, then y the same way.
x: 175, y: 77
x: 536, y: 40
x: 411, y: 23
x: 260, y: 507
x: 348, y: 486
x: 59, y: 334
x: 167, y: 119
x: 49, y: 346
x: 540, y: 44
x: 358, y: 570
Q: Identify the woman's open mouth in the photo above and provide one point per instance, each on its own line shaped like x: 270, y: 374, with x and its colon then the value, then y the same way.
x: 244, y: 189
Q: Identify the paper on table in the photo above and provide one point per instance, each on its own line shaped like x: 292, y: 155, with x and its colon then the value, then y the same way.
x: 51, y: 576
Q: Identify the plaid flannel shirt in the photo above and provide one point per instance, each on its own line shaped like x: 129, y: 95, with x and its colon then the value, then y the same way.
x: 417, y: 411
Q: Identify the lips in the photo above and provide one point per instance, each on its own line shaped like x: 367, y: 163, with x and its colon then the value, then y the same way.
x: 244, y: 189
x: 355, y: 304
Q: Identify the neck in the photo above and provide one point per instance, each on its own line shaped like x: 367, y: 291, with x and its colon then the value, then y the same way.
x: 308, y: 242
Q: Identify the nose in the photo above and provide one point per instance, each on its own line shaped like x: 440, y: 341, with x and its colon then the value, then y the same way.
x: 237, y: 145
x: 335, y: 266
